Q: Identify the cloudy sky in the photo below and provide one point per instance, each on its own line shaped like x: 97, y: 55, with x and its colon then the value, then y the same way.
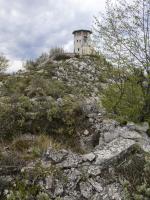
x: 30, y: 27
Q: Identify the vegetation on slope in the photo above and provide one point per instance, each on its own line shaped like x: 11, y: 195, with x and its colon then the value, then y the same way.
x: 124, y: 35
x: 36, y: 102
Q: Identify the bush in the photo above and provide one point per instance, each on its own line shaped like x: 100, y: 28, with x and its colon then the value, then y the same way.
x: 21, y: 115
x: 13, y: 116
x: 15, y: 86
x: 136, y: 178
x: 61, y: 57
x: 124, y: 100
x: 21, y: 145
x: 35, y: 103
x: 3, y: 63
x: 56, y: 51
x: 27, y: 185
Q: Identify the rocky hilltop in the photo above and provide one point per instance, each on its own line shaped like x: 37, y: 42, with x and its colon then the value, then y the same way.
x: 95, y: 175
x: 97, y: 158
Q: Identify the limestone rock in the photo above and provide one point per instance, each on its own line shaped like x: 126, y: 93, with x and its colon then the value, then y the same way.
x: 109, y: 125
x: 72, y: 160
x: 86, y: 190
x: 58, y: 188
x: 141, y: 128
x: 69, y: 198
x: 114, y: 192
x: 144, y: 144
x: 55, y: 156
x: 49, y: 182
x: 127, y: 134
x: 73, y: 176
x: 89, y: 157
x: 109, y: 136
x: 97, y: 186
x: 86, y: 132
x: 94, y: 170
x: 113, y: 150
x: 97, y: 196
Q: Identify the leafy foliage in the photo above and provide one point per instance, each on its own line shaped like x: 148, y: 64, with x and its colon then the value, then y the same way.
x: 3, y: 63
x: 135, y: 177
x: 124, y: 100
x: 123, y: 36
x: 56, y: 51
x: 26, y: 186
x: 37, y: 104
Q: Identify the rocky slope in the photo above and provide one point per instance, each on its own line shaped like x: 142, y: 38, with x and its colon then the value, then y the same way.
x: 85, y: 74
x: 112, y: 155
x: 95, y: 175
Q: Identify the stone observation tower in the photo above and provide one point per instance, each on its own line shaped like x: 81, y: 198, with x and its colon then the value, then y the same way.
x: 82, y: 42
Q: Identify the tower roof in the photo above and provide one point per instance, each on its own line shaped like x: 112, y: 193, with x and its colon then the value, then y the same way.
x: 82, y: 30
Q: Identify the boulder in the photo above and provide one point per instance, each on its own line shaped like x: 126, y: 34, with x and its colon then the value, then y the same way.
x: 48, y: 182
x: 115, y: 149
x: 94, y: 170
x: 73, y: 177
x: 58, y: 188
x: 114, y: 191
x: 86, y: 190
x: 97, y: 186
x: 55, y: 156
x: 124, y: 132
x: 72, y: 160
x: 109, y: 125
x: 109, y: 136
x: 141, y: 128
x: 86, y: 132
x: 89, y: 157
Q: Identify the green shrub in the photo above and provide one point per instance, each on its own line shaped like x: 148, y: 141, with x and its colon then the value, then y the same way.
x: 62, y: 57
x: 35, y: 103
x: 26, y: 185
x: 21, y: 145
x: 15, y: 85
x: 134, y: 173
x: 13, y: 116
x: 56, y: 51
x: 58, y: 89
x: 125, y: 101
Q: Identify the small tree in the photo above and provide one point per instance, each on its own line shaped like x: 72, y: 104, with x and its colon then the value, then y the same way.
x: 3, y: 63
x: 56, y: 51
x: 124, y: 37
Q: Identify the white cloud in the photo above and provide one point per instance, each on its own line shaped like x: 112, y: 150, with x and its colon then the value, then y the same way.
x: 29, y: 27
x: 14, y: 66
x: 69, y: 46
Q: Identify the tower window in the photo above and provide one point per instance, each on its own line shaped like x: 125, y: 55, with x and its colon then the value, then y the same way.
x: 77, y: 40
x: 78, y: 49
x: 85, y: 39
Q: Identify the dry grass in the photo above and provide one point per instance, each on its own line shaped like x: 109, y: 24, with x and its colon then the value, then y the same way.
x: 33, y: 147
x: 26, y: 148
x: 44, y: 141
x: 21, y: 145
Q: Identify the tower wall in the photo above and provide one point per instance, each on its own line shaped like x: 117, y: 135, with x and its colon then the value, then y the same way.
x: 82, y: 42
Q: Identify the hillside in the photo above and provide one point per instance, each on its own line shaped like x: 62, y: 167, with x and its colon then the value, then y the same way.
x: 48, y: 91
x: 59, y: 142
